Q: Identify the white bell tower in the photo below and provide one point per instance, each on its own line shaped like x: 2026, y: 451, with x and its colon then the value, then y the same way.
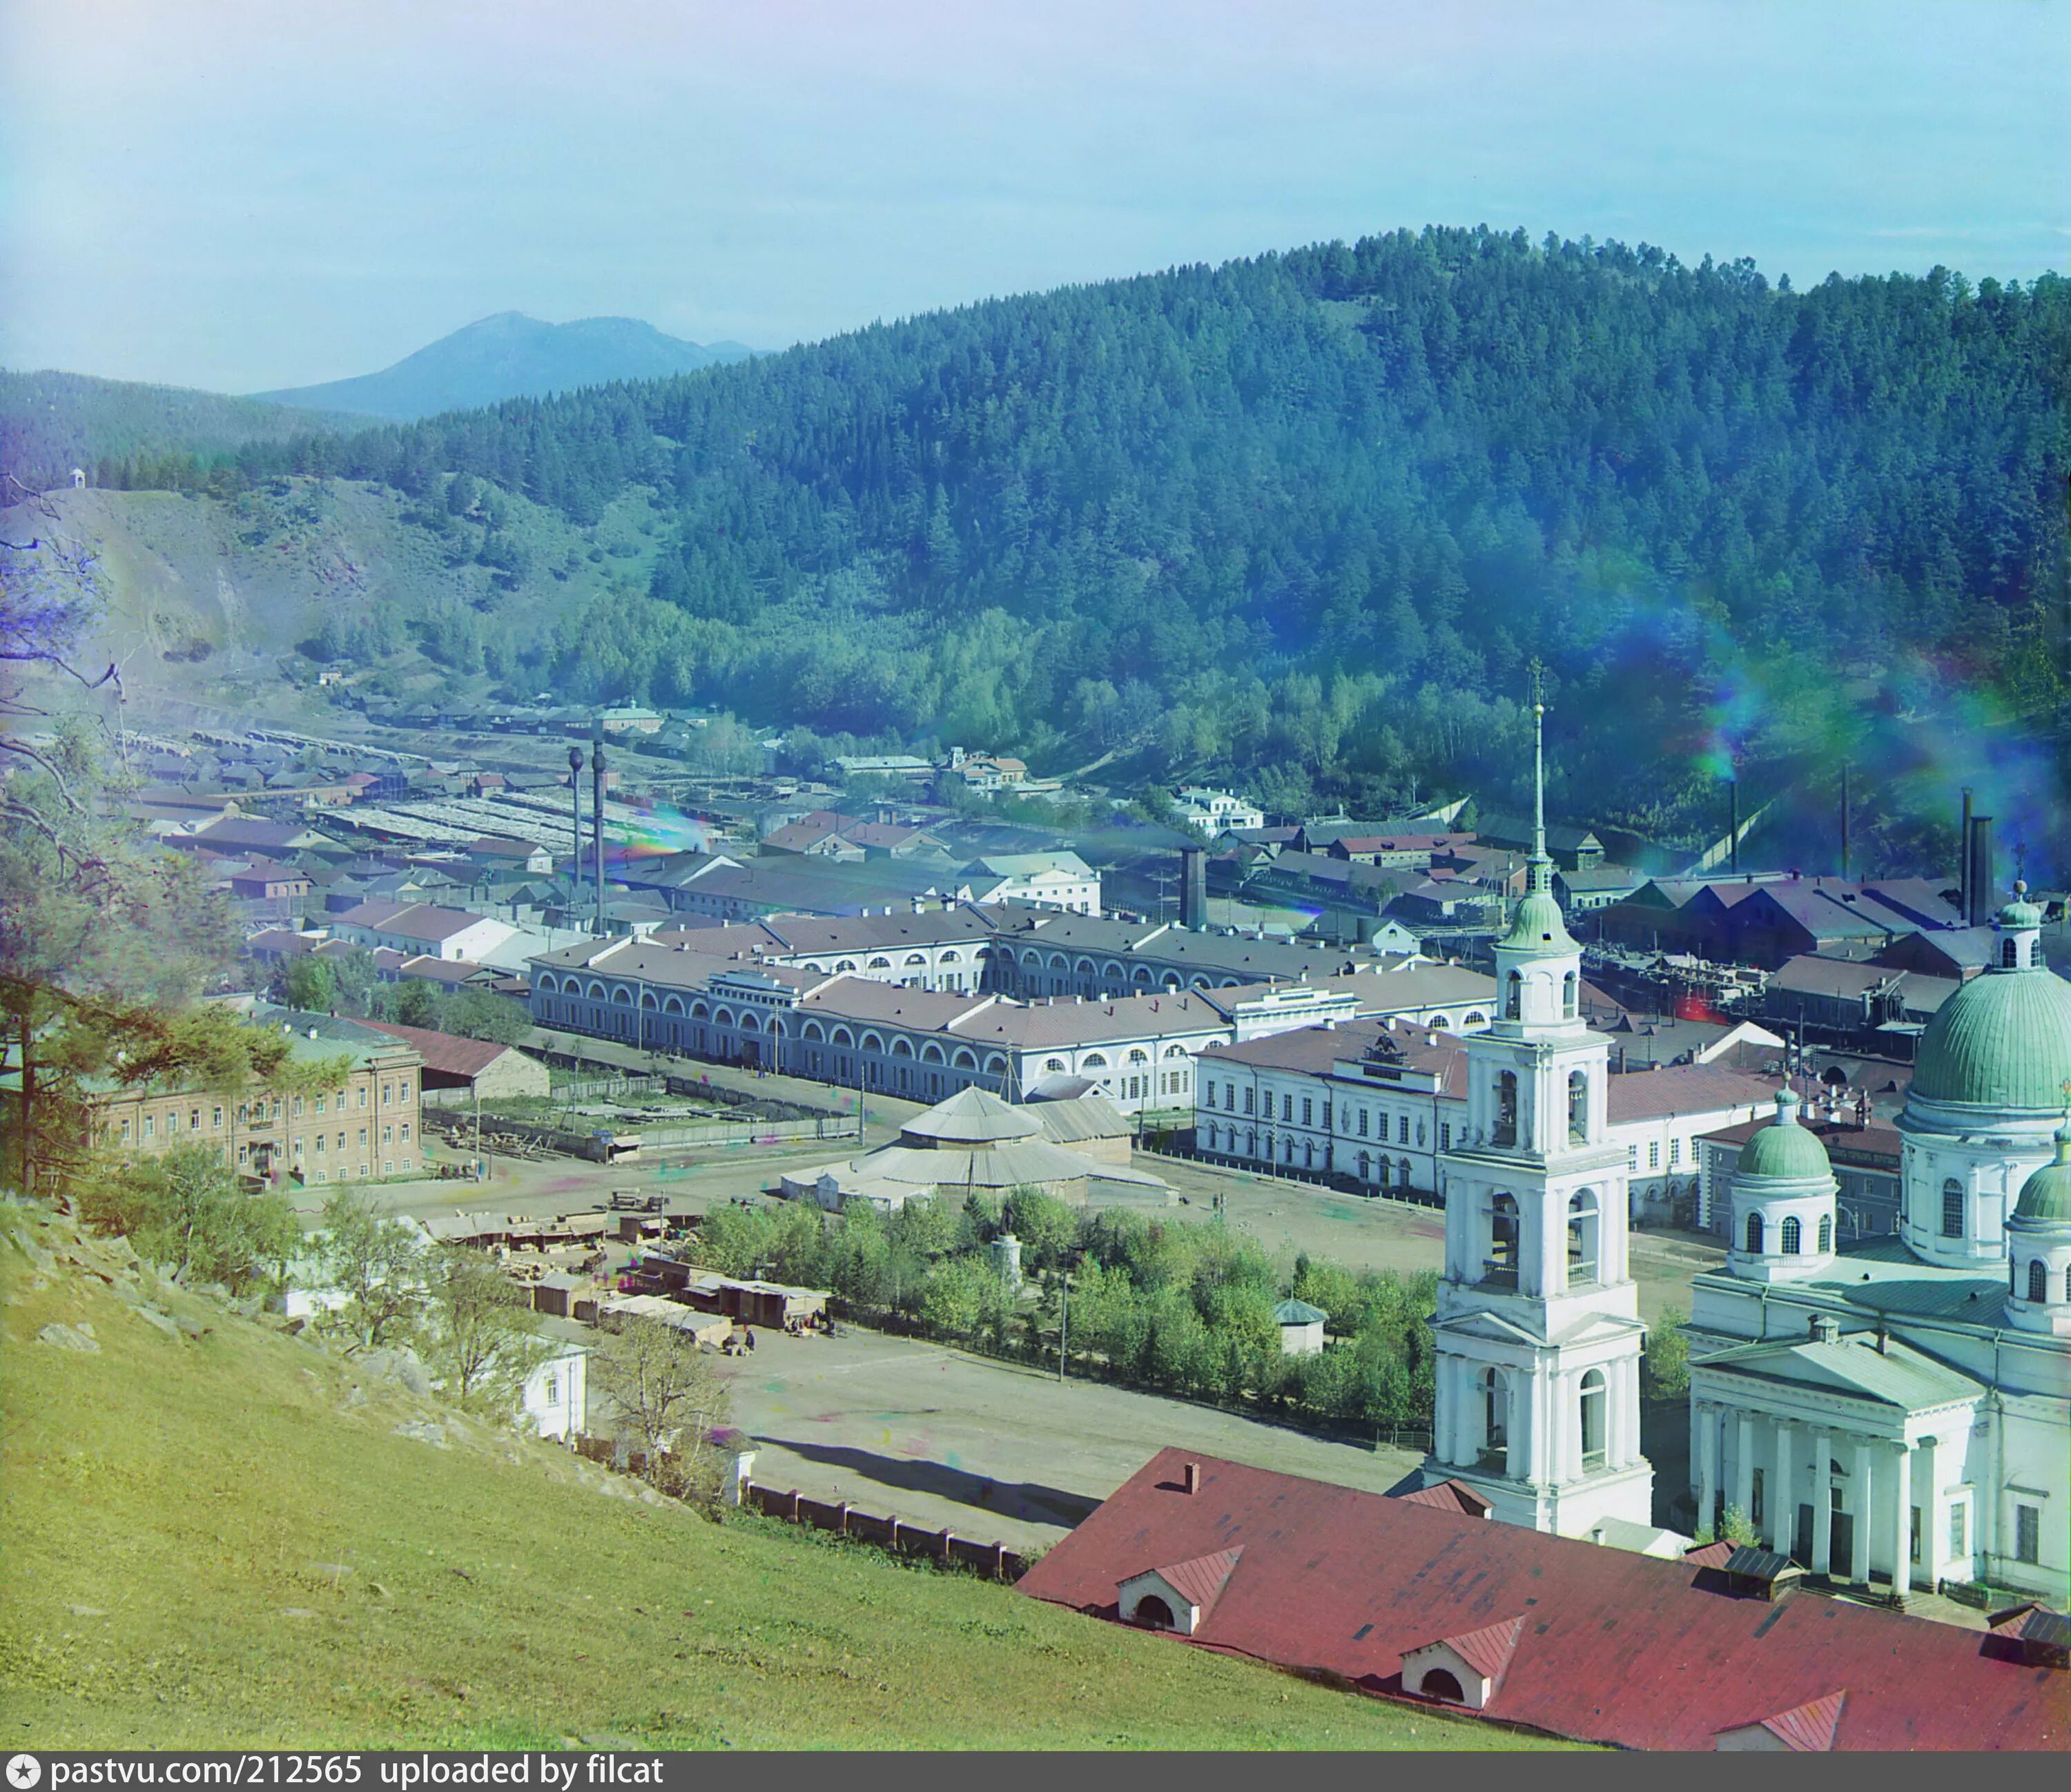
x: 1538, y: 1328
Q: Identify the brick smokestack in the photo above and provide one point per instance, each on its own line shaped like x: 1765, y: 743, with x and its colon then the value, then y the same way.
x: 1978, y: 882
x: 1190, y: 1477
x: 1193, y: 887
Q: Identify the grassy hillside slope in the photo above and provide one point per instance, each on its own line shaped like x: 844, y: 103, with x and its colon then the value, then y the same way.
x: 222, y: 1540
x: 206, y: 600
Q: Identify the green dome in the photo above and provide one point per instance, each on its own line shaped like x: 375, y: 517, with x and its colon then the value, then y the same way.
x: 2002, y: 1040
x: 2045, y: 1197
x: 1538, y: 925
x: 1784, y: 1148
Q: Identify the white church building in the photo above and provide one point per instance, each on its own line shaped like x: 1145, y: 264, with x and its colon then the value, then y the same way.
x: 1899, y: 1413
x: 1538, y: 1331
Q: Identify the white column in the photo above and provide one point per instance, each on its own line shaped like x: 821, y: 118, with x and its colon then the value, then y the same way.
x: 1707, y: 1462
x: 1901, y: 1501
x: 1865, y: 1506
x: 1744, y: 1466
x: 1782, y: 1508
x: 1463, y: 1439
x: 1933, y: 1527
x: 1441, y: 1410
x: 1823, y: 1501
x: 1517, y: 1459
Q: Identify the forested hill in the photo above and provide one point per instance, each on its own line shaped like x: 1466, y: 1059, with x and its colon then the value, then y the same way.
x: 50, y: 422
x: 1309, y: 516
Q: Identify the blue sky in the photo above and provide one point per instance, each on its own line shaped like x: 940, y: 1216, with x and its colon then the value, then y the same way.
x: 241, y: 194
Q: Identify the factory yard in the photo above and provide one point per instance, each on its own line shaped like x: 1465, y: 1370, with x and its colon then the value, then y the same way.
x: 994, y: 1451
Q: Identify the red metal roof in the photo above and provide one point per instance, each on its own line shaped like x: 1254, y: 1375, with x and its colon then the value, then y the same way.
x: 1710, y: 1555
x: 1488, y: 1650
x: 1614, y: 1647
x: 1808, y: 1727
x: 1199, y: 1581
x: 1451, y: 1496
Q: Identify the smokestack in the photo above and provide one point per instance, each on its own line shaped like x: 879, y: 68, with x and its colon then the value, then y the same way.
x: 1191, y: 1474
x: 575, y: 847
x: 1963, y: 858
x: 1844, y: 820
x: 1193, y: 887
x: 597, y: 811
x: 1734, y: 825
x: 1979, y: 881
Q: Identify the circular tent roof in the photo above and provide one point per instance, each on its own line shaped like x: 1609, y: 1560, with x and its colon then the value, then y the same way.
x: 2004, y: 1039
x: 2045, y: 1197
x: 1784, y: 1149
x: 971, y: 1117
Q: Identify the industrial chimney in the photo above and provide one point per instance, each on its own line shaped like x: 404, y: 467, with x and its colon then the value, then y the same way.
x: 1963, y: 858
x: 1978, y: 880
x: 1193, y: 887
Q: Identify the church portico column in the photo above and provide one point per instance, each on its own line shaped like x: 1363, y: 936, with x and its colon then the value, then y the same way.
x: 1517, y: 1459
x: 1932, y: 1530
x: 1441, y: 1411
x: 1782, y: 1508
x: 1744, y: 1466
x: 1865, y: 1509
x: 1823, y: 1501
x: 1902, y: 1502
x: 1707, y: 1462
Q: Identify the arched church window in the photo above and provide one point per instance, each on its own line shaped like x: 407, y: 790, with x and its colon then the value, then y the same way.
x: 1568, y: 994
x: 1501, y: 1265
x: 2010, y: 954
x: 1754, y: 1235
x: 1594, y: 1399
x: 1826, y: 1233
x: 2038, y: 1281
x: 1513, y: 998
x: 1578, y: 1107
x: 1402, y: 1176
x: 1506, y: 1108
x: 1952, y: 1209
x: 1792, y: 1234
x: 1582, y: 1222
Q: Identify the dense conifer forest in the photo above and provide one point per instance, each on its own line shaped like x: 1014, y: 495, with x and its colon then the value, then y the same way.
x: 1306, y: 519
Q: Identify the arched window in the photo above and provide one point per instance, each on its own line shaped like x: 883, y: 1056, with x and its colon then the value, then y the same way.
x: 1582, y: 1232
x: 2038, y: 1281
x: 1501, y: 1265
x: 1439, y: 1684
x: 2067, y: 1281
x: 1506, y: 1108
x: 1402, y: 1175
x: 1826, y: 1233
x: 1578, y: 1107
x: 1568, y: 992
x: 1153, y: 1614
x: 1366, y: 1167
x: 2010, y: 954
x: 1594, y: 1400
x: 1754, y: 1235
x: 1952, y: 1209
x: 1094, y: 1060
x: 1513, y: 998
x: 1791, y: 1234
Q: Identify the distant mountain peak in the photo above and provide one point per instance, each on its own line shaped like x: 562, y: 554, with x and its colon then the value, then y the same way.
x: 509, y: 355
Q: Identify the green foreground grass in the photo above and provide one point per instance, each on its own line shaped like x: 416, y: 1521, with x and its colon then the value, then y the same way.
x: 217, y: 1542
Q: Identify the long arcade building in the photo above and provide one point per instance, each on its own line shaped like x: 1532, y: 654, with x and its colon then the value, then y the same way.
x: 911, y: 1005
